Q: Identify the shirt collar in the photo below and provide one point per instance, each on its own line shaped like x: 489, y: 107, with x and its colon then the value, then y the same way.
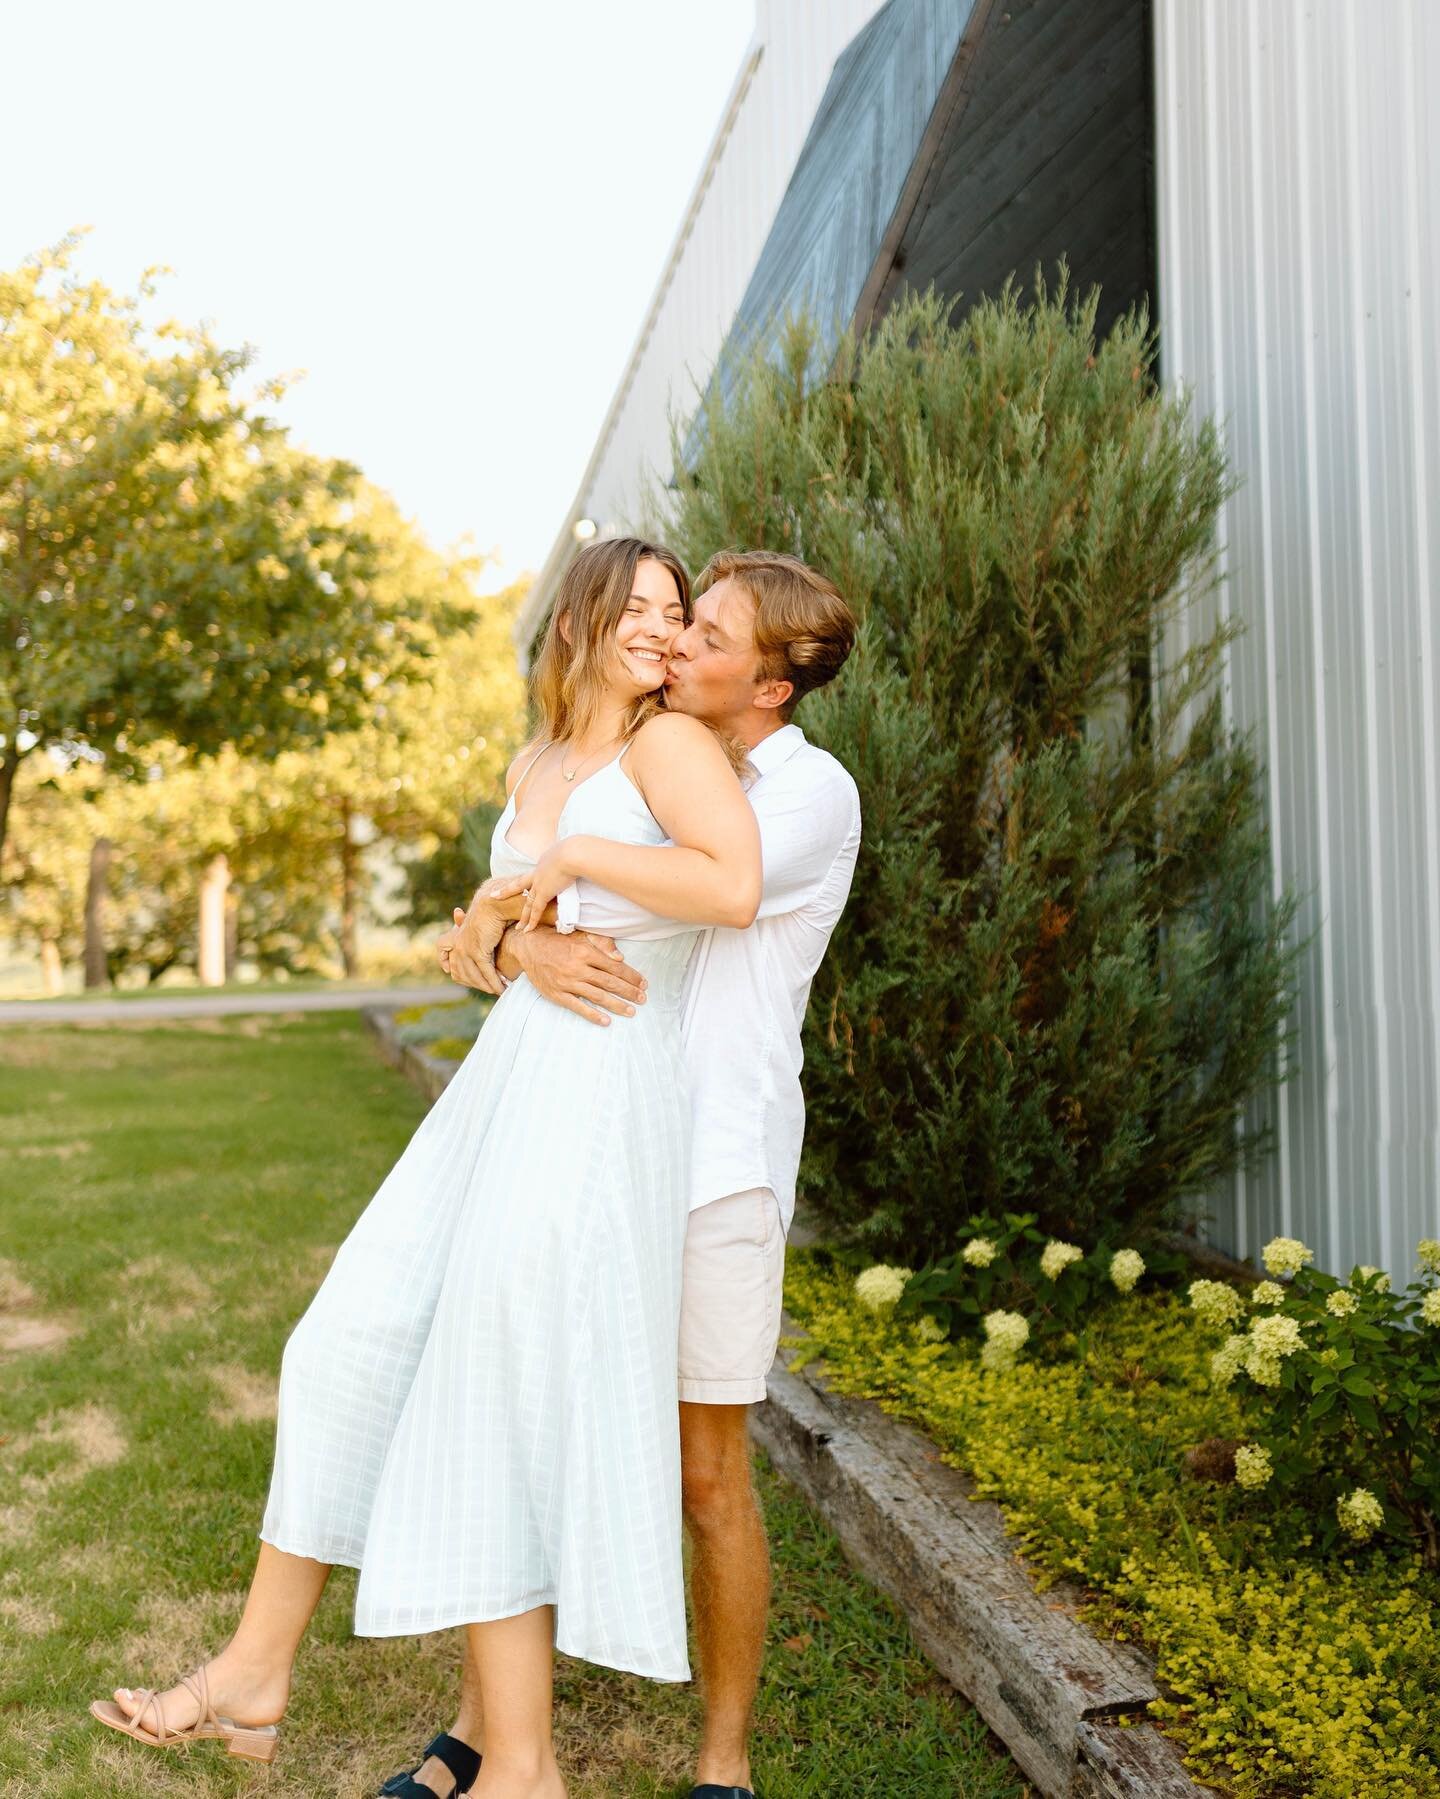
x: 778, y: 747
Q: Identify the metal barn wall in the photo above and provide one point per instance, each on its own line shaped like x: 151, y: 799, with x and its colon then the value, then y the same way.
x: 738, y: 190
x: 1298, y: 198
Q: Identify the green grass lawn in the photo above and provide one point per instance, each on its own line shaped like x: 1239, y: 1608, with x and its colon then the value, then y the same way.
x: 169, y: 1199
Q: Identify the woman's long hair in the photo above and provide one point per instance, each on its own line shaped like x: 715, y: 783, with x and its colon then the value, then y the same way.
x: 569, y: 679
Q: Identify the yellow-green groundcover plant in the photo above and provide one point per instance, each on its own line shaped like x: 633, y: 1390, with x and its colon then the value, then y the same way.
x: 1292, y: 1657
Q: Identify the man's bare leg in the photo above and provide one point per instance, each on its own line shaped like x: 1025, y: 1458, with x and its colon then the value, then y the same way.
x: 250, y: 1677
x: 729, y: 1582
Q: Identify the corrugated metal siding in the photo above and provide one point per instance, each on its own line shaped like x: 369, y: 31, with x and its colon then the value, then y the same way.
x: 1298, y: 198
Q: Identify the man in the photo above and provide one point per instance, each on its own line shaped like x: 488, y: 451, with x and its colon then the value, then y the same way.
x: 767, y: 630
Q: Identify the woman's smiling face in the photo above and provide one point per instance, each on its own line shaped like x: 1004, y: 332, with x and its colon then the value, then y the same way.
x: 653, y: 619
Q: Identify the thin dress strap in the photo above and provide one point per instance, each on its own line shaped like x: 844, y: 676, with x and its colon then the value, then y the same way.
x: 515, y: 790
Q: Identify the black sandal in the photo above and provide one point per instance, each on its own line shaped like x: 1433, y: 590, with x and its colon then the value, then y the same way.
x: 462, y: 1761
x: 714, y: 1792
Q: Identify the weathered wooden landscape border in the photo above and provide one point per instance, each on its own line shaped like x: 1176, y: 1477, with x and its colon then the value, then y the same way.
x: 1068, y: 1705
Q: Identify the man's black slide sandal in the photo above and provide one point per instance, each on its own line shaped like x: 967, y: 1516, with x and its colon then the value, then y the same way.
x: 462, y: 1761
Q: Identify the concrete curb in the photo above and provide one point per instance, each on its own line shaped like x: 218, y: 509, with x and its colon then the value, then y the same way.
x: 1059, y: 1697
x: 430, y: 1073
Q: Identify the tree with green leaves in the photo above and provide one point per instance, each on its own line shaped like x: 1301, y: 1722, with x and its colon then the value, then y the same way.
x: 1058, y: 980
x: 300, y: 834
x: 170, y: 565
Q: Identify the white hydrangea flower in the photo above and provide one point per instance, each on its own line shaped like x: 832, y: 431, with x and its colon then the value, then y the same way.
x: 930, y: 1330
x: 1056, y: 1257
x: 1341, y: 1303
x: 1268, y: 1293
x: 1285, y: 1255
x: 1272, y: 1338
x: 1430, y: 1307
x: 1126, y: 1267
x: 1428, y: 1251
x: 1006, y: 1334
x: 1277, y: 1334
x: 878, y: 1288
x: 1215, y: 1303
x: 1360, y: 1513
x: 1366, y: 1273
x: 979, y: 1252
x: 1228, y: 1360
x: 1253, y: 1466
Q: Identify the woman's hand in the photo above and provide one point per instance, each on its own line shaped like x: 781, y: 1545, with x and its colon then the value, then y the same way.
x: 557, y: 868
x: 504, y: 887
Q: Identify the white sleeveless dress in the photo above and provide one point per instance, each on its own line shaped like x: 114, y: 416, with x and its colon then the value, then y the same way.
x: 479, y: 1409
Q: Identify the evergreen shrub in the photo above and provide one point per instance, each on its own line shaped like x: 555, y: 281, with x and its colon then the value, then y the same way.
x: 1058, y: 979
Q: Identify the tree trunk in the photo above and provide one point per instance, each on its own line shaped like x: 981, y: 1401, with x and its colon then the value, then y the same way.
x: 97, y: 972
x: 51, y: 971
x: 232, y: 933
x: 213, y: 886
x: 349, y: 895
x: 9, y: 762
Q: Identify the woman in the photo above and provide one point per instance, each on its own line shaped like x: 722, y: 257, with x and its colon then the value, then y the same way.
x: 478, y: 1409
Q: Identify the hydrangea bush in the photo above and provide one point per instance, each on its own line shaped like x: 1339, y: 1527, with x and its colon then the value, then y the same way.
x: 1344, y: 1383
x: 1286, y: 1666
x: 1011, y: 1284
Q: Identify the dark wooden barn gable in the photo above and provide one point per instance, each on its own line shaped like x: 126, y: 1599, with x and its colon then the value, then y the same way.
x: 961, y: 140
x: 1046, y: 153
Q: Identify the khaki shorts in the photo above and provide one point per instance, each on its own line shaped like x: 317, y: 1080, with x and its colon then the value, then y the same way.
x: 731, y: 1297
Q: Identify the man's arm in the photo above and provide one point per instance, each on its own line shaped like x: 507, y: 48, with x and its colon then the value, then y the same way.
x: 467, y: 950
x: 583, y: 972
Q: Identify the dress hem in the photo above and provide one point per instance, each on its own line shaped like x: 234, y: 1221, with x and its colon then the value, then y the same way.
x: 327, y: 1560
x: 458, y: 1619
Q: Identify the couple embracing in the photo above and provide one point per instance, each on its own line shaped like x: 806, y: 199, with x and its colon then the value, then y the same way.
x: 479, y: 1408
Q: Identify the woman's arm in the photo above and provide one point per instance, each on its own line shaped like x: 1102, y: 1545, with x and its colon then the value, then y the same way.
x: 467, y: 949
x: 711, y: 875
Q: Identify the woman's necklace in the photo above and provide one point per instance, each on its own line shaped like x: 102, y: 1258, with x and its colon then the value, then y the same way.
x: 569, y: 774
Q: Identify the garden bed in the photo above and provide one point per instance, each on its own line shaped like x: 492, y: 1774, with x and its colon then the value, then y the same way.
x: 1282, y: 1668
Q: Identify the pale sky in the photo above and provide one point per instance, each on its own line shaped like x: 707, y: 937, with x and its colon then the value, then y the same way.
x: 450, y: 215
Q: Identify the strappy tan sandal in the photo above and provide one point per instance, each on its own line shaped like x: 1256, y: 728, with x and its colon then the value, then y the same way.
x: 257, y: 1742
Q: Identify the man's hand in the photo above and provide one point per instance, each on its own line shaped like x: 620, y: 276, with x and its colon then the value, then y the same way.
x: 467, y: 950
x: 580, y: 971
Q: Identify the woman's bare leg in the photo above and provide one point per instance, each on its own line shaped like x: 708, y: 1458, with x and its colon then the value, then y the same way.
x: 515, y: 1663
x: 250, y: 1677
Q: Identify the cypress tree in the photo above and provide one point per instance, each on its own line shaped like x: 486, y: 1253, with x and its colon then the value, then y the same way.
x: 1058, y: 979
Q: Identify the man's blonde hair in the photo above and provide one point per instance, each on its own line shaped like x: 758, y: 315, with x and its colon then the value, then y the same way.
x: 804, y: 630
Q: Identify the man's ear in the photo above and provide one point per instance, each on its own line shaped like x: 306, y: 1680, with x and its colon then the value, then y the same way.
x: 770, y: 695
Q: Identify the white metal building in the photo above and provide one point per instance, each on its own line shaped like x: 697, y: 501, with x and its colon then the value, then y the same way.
x: 777, y: 89
x: 1268, y: 172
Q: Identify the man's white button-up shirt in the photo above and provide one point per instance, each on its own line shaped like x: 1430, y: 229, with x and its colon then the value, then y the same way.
x: 746, y: 991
